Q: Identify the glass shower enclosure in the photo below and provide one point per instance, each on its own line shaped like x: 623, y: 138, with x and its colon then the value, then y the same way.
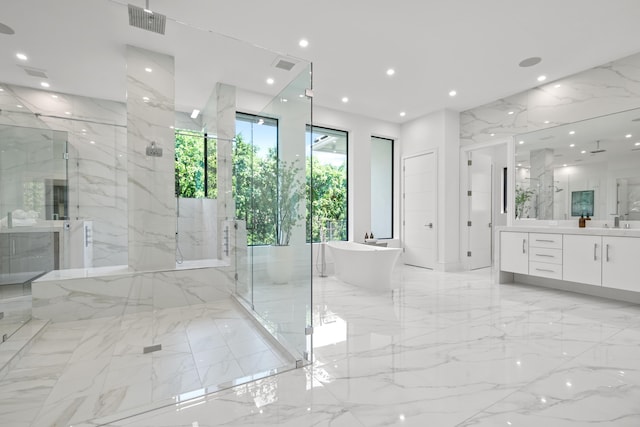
x: 33, y: 210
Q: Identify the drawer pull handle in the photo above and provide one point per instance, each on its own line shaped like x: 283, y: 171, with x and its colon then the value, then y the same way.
x: 545, y: 240
x: 595, y: 249
x: 545, y: 270
x: 545, y: 255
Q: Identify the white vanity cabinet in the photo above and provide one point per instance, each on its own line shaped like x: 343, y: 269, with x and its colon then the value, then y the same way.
x: 582, y: 259
x: 545, y: 255
x: 514, y: 252
x: 621, y: 263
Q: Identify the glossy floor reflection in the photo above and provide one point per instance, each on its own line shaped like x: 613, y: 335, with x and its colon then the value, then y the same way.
x: 446, y: 349
x: 77, y: 371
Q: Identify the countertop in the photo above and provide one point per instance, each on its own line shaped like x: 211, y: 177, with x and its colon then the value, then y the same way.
x: 592, y: 231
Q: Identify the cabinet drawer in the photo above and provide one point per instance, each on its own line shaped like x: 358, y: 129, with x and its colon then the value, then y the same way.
x: 540, y: 240
x: 542, y: 269
x: 553, y: 256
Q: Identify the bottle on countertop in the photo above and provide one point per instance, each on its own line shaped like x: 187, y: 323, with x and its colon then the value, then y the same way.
x: 366, y: 236
x: 581, y: 222
x: 371, y: 235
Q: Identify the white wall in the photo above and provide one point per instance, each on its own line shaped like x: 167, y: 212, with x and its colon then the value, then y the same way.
x: 440, y: 132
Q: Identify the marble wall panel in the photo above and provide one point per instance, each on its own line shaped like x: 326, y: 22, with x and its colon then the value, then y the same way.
x: 150, y: 192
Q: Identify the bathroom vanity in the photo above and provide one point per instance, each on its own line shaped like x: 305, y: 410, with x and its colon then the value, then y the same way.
x: 597, y: 261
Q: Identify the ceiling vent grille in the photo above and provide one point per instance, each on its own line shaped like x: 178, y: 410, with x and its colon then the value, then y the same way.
x: 146, y: 20
x: 284, y: 64
x: 34, y: 72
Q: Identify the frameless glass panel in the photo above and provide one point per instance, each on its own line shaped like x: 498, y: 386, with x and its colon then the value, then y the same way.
x: 382, y: 187
x: 282, y: 270
x: 33, y: 205
x: 327, y: 155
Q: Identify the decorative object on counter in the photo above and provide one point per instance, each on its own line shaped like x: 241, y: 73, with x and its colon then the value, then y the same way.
x: 581, y: 222
x: 366, y: 236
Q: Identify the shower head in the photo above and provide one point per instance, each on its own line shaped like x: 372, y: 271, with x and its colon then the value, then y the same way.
x: 598, y: 149
x: 145, y: 19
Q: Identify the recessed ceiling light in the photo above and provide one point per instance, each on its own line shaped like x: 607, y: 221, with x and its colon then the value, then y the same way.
x: 171, y: 127
x: 530, y: 62
x: 542, y: 78
x: 546, y: 122
x: 145, y: 98
x: 21, y: 56
x: 148, y: 70
x: 195, y: 113
x: 519, y: 164
x: 402, y: 114
x: 557, y: 86
x: 1, y: 90
x: 68, y: 113
x: 520, y: 142
x: 510, y: 113
x: 628, y: 135
x: 583, y: 151
x: 54, y: 96
x: 573, y: 132
x: 391, y: 72
x: 92, y: 142
x: 270, y: 81
x: 303, y: 43
x: 19, y: 106
x: 84, y: 130
x: 572, y: 145
x: 452, y: 93
x: 493, y: 134
x: 301, y: 95
x: 345, y: 99
x: 45, y: 84
x: 565, y: 165
x: 284, y: 100
x: 637, y: 143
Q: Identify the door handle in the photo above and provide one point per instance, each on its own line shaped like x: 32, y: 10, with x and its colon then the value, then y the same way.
x: 524, y: 242
x: 607, y: 246
x: 595, y: 248
x: 430, y: 225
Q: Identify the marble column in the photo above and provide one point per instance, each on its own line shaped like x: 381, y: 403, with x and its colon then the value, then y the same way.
x: 226, y: 132
x: 150, y: 179
x: 542, y: 181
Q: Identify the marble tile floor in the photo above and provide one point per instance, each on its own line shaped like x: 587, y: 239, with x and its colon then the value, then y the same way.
x: 446, y: 349
x: 77, y: 371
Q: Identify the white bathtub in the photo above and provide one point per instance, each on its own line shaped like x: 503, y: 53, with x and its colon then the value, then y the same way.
x: 364, y: 265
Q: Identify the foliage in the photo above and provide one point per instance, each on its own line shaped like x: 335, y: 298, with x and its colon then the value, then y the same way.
x: 523, y: 195
x: 327, y: 186
x: 189, y: 174
x: 261, y: 184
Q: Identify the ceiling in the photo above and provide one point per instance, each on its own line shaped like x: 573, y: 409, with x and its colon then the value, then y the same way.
x: 434, y: 46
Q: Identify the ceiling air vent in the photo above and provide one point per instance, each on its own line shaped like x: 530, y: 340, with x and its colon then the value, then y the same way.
x: 145, y: 19
x: 34, y: 72
x: 284, y: 64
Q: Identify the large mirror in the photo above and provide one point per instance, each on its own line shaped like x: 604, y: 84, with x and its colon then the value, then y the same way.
x: 589, y: 168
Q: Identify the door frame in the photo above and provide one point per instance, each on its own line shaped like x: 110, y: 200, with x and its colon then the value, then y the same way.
x: 433, y: 151
x: 464, y: 199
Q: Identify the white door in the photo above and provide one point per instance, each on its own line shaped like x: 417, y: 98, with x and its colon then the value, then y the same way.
x: 419, y: 210
x: 479, y: 225
x: 620, y: 267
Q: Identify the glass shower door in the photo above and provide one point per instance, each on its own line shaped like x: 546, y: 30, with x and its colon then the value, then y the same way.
x: 33, y: 205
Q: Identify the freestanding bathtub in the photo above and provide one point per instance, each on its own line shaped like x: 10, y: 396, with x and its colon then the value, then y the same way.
x: 368, y: 266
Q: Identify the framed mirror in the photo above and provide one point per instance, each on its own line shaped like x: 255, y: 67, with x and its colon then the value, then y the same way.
x: 591, y: 167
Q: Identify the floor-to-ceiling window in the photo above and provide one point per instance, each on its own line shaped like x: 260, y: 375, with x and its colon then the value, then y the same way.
x: 327, y: 185
x: 382, y: 187
x: 255, y: 154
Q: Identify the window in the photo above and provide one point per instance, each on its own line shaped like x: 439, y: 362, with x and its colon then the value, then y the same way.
x: 254, y: 160
x: 382, y: 187
x: 195, y: 177
x: 327, y: 184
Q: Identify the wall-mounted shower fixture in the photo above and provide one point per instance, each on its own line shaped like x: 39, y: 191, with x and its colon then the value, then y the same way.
x: 153, y: 150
